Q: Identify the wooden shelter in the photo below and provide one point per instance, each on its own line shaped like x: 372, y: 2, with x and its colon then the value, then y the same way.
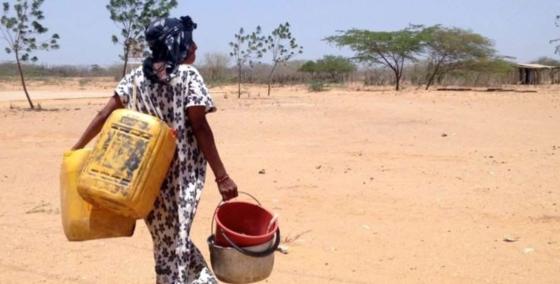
x: 536, y: 74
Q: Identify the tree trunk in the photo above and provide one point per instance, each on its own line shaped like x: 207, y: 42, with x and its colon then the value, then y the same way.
x: 399, y: 67
x: 23, y: 81
x: 238, y: 81
x: 270, y: 77
x: 433, y: 76
x: 125, y: 57
x: 431, y: 80
x: 397, y: 79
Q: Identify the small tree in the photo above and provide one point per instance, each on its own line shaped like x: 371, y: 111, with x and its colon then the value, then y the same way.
x: 132, y: 17
x: 336, y: 67
x: 308, y: 67
x: 449, y: 49
x: 283, y: 47
x: 390, y: 49
x: 20, y: 26
x: 245, y: 48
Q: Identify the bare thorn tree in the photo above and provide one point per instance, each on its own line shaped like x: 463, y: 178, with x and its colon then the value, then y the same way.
x: 244, y: 49
x: 283, y: 47
x: 20, y: 25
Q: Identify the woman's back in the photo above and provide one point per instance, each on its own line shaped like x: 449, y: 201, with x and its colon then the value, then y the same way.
x: 167, y: 101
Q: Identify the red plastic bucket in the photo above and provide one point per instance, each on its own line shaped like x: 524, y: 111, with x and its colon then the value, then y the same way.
x: 245, y: 224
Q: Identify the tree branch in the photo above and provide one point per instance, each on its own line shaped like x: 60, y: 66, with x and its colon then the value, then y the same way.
x: 8, y: 37
x: 376, y: 50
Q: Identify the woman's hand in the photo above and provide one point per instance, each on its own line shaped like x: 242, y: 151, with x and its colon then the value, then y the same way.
x: 227, y: 188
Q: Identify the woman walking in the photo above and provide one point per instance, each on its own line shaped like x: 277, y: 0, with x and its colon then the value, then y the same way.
x: 168, y: 87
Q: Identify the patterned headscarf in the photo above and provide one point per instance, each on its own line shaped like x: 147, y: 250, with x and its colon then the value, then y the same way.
x: 170, y: 41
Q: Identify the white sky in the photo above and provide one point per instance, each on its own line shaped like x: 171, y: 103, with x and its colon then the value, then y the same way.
x: 519, y: 28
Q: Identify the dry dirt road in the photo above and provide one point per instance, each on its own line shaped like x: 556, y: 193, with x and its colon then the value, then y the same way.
x: 371, y: 187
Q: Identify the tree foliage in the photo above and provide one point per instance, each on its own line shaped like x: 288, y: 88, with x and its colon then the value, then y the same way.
x: 20, y: 26
x: 283, y: 47
x: 449, y: 49
x: 245, y: 48
x: 309, y: 66
x: 132, y: 17
x: 335, y: 67
x: 494, y: 65
x: 391, y: 49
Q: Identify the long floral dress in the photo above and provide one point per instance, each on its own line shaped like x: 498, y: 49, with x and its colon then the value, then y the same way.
x: 177, y: 260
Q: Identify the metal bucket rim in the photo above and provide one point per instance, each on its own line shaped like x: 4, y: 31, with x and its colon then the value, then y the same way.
x: 265, y: 253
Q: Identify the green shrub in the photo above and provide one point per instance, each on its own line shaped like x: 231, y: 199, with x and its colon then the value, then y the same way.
x: 317, y: 86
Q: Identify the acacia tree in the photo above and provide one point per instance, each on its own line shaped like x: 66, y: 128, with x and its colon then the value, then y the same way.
x: 246, y: 48
x: 20, y: 25
x: 132, y: 17
x: 283, y: 47
x: 450, y: 49
x: 390, y: 49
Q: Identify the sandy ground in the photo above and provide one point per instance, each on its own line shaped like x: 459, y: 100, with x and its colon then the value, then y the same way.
x: 371, y: 187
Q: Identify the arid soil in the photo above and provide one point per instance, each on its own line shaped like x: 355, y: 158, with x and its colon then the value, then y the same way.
x: 372, y: 186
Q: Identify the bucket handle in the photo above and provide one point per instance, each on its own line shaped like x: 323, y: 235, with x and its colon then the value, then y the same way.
x: 250, y: 195
x: 267, y: 252
x: 222, y: 202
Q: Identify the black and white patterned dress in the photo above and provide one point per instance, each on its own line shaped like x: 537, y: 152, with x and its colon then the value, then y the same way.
x: 177, y: 260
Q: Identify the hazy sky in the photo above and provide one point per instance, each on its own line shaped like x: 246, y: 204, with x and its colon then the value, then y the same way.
x: 519, y: 28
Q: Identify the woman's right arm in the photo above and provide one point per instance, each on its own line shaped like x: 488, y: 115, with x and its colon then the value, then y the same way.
x: 97, y: 123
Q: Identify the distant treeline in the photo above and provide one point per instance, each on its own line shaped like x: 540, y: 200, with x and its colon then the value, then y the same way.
x: 217, y: 70
x: 340, y: 70
x: 8, y: 70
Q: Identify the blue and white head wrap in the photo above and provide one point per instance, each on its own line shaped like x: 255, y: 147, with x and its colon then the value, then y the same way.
x: 170, y: 41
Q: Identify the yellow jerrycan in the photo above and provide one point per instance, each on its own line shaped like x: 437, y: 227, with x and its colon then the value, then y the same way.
x: 128, y: 164
x: 82, y: 221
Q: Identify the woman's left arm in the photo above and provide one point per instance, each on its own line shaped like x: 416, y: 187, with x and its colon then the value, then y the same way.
x: 207, y: 145
x: 97, y: 123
